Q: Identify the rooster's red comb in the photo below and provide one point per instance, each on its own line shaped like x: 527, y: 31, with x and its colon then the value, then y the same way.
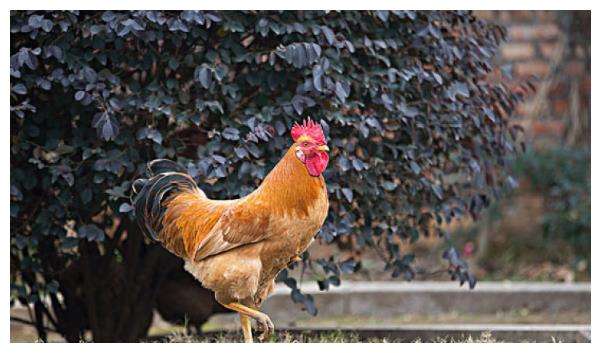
x: 310, y: 129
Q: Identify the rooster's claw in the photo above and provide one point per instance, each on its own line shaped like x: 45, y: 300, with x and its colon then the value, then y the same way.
x: 266, y: 326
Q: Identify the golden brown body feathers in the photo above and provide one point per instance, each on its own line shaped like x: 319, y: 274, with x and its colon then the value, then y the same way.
x: 237, y: 247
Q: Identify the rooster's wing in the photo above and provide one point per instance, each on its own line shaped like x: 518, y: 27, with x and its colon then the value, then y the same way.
x: 244, y: 222
x: 197, y: 227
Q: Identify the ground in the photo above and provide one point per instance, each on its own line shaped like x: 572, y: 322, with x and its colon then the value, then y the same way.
x: 334, y: 337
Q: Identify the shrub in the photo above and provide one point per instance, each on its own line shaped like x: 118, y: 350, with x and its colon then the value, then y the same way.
x: 562, y: 176
x: 418, y: 132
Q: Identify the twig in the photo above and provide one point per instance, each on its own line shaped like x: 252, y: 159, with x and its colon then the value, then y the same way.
x: 302, y: 274
x: 424, y: 274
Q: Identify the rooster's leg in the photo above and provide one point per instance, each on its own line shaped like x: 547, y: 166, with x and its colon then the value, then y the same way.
x: 246, y: 329
x: 263, y: 320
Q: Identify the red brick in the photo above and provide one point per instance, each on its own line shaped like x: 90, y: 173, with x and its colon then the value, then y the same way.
x: 575, y: 68
x: 538, y: 68
x: 504, y: 16
x: 485, y: 14
x: 522, y: 15
x: 585, y: 85
x: 558, y: 90
x: 548, y: 127
x: 517, y: 51
x: 530, y: 32
x: 546, y: 16
x: 560, y: 107
x: 548, y: 49
x: 531, y: 16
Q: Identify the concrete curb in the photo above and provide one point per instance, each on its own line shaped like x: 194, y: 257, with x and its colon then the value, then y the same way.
x: 389, y: 299
x: 433, y: 286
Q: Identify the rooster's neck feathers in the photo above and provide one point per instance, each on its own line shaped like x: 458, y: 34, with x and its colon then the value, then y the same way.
x: 289, y: 187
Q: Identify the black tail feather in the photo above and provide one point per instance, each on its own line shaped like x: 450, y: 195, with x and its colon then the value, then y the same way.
x: 159, y: 166
x: 165, y: 178
x: 138, y: 185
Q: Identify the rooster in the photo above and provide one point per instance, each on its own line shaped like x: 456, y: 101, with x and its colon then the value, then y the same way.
x: 237, y: 247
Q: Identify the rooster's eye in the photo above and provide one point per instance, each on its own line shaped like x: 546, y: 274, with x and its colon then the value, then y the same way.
x: 305, y: 144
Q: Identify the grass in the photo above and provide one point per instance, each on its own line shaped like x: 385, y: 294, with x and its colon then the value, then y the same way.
x: 522, y: 316
x: 308, y: 337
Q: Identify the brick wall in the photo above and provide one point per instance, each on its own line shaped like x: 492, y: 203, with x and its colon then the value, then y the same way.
x: 534, y: 48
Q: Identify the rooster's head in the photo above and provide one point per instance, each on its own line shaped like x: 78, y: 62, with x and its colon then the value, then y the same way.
x: 310, y: 146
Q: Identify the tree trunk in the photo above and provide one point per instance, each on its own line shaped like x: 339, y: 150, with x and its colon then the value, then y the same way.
x: 115, y: 297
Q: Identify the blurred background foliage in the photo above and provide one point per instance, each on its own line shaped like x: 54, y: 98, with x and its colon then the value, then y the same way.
x: 542, y: 229
x: 562, y: 176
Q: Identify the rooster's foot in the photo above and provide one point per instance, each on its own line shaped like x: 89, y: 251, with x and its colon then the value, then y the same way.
x: 265, y: 326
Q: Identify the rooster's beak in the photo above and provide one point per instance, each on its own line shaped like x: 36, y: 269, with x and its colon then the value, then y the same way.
x: 323, y: 148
